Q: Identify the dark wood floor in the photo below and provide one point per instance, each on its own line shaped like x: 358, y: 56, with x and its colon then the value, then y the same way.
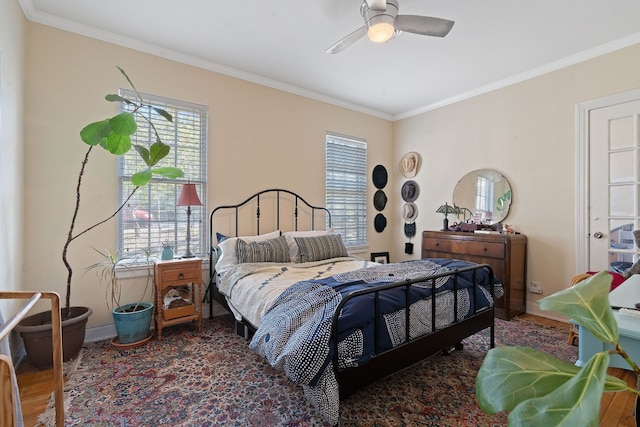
x: 36, y: 386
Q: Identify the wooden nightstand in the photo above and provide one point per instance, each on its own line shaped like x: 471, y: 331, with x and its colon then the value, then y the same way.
x: 183, y: 274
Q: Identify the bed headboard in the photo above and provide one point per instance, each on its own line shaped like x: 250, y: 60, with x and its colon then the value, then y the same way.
x: 268, y: 210
x: 264, y: 211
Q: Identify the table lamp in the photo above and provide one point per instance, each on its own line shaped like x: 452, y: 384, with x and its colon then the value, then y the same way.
x: 189, y: 197
x: 446, y: 209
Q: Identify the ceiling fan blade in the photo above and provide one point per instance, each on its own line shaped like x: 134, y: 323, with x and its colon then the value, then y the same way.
x: 348, y: 40
x: 425, y: 25
x: 377, y: 4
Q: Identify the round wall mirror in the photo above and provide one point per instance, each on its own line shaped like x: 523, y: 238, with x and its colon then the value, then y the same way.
x: 484, y: 196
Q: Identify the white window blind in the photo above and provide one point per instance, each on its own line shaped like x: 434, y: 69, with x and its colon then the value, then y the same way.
x: 151, y: 217
x: 346, y: 187
x: 484, y: 194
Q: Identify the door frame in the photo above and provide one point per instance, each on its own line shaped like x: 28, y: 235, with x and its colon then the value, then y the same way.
x: 582, y: 112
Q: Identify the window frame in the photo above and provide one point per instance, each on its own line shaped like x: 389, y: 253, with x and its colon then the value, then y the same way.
x: 195, y: 175
x: 353, y: 187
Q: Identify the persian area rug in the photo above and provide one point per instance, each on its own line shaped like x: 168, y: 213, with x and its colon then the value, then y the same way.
x: 213, y: 379
x: 48, y: 417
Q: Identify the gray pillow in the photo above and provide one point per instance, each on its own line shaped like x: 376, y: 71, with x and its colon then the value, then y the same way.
x: 271, y: 250
x: 319, y: 248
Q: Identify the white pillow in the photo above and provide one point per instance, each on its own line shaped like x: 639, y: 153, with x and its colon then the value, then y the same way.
x: 228, y: 247
x: 294, y: 250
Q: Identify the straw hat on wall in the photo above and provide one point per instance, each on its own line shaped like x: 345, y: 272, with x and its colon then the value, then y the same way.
x: 409, y: 164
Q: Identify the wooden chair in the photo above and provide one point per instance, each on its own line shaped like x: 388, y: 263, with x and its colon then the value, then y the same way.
x: 8, y: 416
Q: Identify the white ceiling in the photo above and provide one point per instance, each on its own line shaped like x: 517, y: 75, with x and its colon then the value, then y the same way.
x: 281, y: 43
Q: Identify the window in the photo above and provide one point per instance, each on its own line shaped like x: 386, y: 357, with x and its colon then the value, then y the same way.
x: 346, y: 187
x: 151, y: 217
x: 484, y: 194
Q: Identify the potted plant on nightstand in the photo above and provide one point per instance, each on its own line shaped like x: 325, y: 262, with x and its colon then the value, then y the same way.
x: 539, y: 390
x: 132, y: 320
x: 114, y: 135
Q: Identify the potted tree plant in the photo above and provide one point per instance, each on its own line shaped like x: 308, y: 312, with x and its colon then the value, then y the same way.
x: 540, y: 390
x: 113, y: 135
x: 132, y: 320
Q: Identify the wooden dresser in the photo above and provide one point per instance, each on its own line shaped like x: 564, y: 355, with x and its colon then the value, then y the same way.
x: 506, y: 254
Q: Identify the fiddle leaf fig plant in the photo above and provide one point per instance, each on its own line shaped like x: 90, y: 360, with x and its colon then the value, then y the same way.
x: 114, y: 135
x: 539, y: 389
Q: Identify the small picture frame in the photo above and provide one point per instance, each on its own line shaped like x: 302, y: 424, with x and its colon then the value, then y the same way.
x: 380, y: 257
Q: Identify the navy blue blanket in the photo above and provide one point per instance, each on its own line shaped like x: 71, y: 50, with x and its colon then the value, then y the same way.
x: 295, y: 334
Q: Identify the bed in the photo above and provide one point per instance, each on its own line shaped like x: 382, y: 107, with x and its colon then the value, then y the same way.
x: 334, y: 322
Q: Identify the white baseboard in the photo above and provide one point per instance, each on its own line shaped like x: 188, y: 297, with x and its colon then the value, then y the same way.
x: 533, y: 308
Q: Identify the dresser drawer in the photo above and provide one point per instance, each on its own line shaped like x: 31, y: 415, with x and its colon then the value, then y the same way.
x: 484, y: 249
x: 433, y: 244
x: 179, y: 273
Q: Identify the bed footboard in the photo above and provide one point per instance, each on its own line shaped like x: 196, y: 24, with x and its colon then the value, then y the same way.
x: 386, y: 362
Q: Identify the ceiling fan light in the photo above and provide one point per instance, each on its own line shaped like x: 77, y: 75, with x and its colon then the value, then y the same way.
x: 380, y: 32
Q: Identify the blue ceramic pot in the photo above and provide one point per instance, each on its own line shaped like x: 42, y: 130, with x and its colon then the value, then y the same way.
x: 133, y: 326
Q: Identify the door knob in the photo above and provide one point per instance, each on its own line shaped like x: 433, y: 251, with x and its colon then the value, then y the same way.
x: 598, y: 235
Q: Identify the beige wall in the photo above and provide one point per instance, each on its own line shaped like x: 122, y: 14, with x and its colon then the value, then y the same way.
x: 258, y: 138
x: 12, y: 40
x: 527, y: 132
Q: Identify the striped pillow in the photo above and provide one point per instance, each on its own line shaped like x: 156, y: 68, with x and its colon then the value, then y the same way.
x: 321, y: 247
x: 272, y: 250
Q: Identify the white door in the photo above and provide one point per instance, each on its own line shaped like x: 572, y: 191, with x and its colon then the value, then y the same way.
x: 614, y: 186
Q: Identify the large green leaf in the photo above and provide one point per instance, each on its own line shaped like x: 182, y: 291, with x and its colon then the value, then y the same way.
x: 140, y: 179
x: 124, y: 124
x: 587, y: 303
x: 129, y: 80
x: 574, y: 403
x: 153, y: 154
x: 169, y: 172
x: 510, y: 375
x: 95, y: 133
x: 117, y: 144
x: 164, y: 114
x: 157, y: 152
x: 144, y: 153
x: 112, y: 97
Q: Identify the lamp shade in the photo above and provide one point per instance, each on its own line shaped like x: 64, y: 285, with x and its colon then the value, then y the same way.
x: 446, y: 209
x: 189, y: 196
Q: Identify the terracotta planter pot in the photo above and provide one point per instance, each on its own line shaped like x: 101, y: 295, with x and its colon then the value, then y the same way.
x: 36, y: 332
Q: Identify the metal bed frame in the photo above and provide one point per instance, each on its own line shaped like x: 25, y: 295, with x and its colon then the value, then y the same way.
x: 384, y: 362
x: 412, y: 351
x: 298, y: 203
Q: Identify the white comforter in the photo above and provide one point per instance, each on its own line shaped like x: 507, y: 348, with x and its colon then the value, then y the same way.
x: 251, y: 289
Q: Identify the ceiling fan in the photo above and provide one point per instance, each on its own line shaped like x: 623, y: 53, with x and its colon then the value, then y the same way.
x: 382, y: 22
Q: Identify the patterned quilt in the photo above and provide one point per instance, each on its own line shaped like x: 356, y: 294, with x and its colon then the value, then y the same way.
x: 252, y: 288
x: 295, y: 334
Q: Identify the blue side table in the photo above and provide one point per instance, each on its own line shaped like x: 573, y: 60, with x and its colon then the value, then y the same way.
x: 625, y: 295
x: 629, y: 328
